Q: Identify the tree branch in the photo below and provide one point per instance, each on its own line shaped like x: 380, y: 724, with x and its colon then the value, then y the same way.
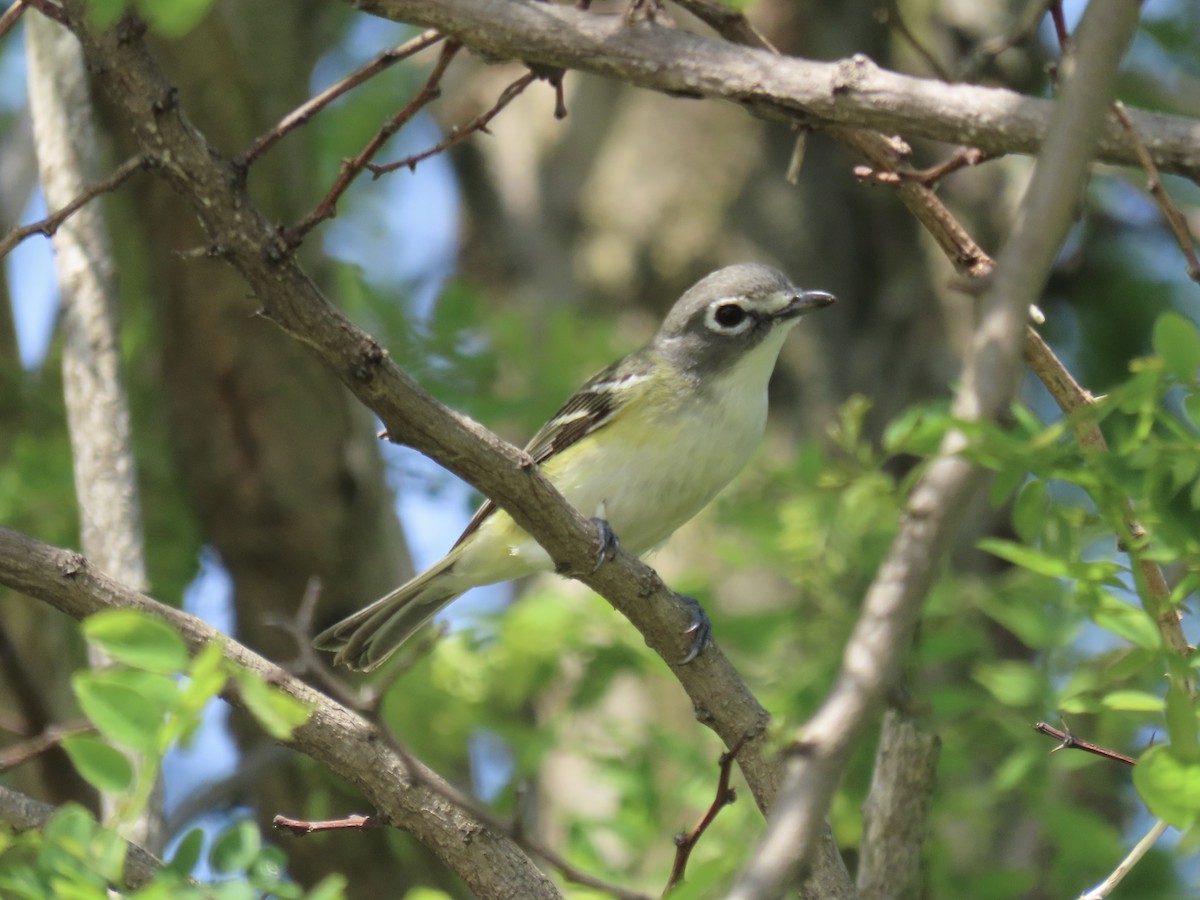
x: 98, y: 419
x: 891, y: 607
x: 334, y: 736
x: 896, y: 810
x: 24, y: 813
x: 853, y: 92
x: 246, y: 239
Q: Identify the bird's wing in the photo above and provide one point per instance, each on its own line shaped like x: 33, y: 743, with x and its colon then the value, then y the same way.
x: 589, y: 409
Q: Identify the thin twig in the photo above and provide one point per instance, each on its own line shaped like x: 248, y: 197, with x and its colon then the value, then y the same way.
x: 23, y: 751
x: 1176, y: 221
x: 1109, y: 884
x: 49, y: 9
x: 11, y: 16
x: 1027, y: 26
x: 457, y: 135
x: 49, y: 225
x: 959, y: 159
x: 1060, y: 26
x: 685, y: 843
x: 352, y: 168
x: 301, y: 827
x: 1068, y: 741
x: 310, y: 108
x: 889, y: 14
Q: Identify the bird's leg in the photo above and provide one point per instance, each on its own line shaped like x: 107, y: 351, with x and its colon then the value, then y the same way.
x: 700, y: 629
x: 606, y: 543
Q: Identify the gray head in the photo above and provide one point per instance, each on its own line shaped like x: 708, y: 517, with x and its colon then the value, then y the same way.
x: 727, y: 314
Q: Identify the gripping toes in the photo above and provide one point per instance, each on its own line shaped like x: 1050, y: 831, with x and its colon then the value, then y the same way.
x: 606, y: 543
x: 700, y: 629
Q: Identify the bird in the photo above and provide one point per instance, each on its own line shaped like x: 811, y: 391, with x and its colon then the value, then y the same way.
x: 641, y: 447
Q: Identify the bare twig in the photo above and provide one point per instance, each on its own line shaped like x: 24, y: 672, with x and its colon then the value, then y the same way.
x: 1176, y: 221
x: 685, y: 842
x: 51, y: 223
x: 457, y: 135
x: 1109, y: 884
x: 301, y: 827
x: 11, y: 16
x: 352, y: 168
x: 1068, y: 741
x: 889, y: 14
x: 1027, y: 26
x: 23, y: 751
x: 959, y: 159
x: 310, y: 108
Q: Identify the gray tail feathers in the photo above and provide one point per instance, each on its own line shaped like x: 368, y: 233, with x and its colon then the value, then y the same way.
x: 366, y: 639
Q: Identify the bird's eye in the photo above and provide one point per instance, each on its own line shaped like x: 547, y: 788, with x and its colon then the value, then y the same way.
x: 729, y: 315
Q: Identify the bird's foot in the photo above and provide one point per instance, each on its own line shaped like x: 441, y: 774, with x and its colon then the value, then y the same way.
x: 700, y: 629
x: 606, y: 544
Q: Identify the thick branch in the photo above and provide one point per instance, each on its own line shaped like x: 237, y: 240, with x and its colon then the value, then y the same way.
x: 490, y: 863
x: 896, y: 810
x: 890, y: 610
x: 851, y: 92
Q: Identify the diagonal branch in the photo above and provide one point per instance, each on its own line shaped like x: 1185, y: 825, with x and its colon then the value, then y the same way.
x: 244, y: 237
x: 335, y: 736
x: 893, y: 602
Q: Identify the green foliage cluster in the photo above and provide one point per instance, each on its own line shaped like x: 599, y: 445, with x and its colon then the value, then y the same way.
x: 147, y: 700
x: 1038, y: 617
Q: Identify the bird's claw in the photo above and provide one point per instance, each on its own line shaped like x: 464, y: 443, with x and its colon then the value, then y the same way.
x: 700, y: 629
x: 606, y: 544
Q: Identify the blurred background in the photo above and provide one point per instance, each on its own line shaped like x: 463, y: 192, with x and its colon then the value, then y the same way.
x: 500, y: 275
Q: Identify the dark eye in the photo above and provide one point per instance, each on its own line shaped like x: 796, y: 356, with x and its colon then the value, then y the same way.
x: 729, y: 315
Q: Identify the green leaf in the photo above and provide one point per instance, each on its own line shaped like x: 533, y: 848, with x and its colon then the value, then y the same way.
x: 1133, y: 701
x: 1126, y: 621
x: 1178, y: 343
x: 1170, y: 785
x: 187, y: 854
x: 1029, y: 510
x: 127, y: 706
x: 278, y: 713
x: 137, y: 639
x: 102, y: 765
x: 236, y: 847
x: 1027, y: 557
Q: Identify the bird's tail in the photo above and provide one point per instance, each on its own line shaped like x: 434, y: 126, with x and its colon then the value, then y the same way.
x: 366, y: 639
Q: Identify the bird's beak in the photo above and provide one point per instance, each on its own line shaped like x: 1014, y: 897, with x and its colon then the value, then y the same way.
x: 804, y: 302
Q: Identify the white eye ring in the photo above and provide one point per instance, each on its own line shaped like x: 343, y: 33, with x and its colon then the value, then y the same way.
x: 737, y: 317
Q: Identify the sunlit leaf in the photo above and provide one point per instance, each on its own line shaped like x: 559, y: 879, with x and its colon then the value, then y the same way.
x: 137, y: 639
x: 1170, y: 785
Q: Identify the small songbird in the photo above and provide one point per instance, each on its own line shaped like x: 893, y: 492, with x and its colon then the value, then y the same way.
x: 643, y: 446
